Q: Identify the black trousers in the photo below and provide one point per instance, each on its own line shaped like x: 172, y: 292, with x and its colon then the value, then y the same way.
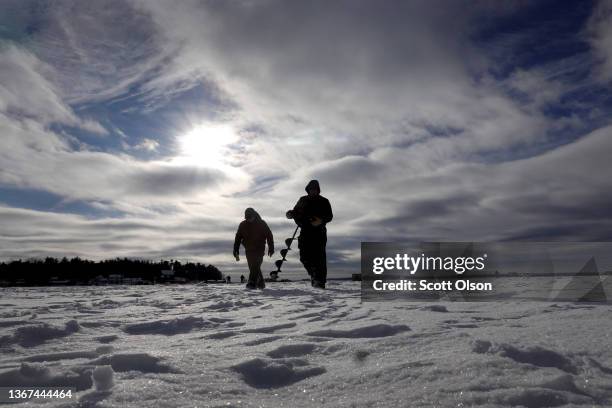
x: 313, y: 256
x: 254, y: 260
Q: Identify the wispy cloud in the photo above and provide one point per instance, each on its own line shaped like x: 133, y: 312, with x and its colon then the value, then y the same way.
x: 421, y: 122
x: 600, y: 30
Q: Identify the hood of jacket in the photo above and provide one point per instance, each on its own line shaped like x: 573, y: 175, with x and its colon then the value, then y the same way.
x: 250, y: 212
x: 313, y: 184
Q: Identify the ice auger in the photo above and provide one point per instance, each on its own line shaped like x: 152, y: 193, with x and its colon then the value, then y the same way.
x: 283, y: 252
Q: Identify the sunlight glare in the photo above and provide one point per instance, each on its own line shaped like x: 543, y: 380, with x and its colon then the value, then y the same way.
x: 207, y: 144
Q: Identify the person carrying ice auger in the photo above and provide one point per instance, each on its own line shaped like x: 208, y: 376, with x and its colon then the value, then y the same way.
x: 253, y: 233
x: 311, y: 213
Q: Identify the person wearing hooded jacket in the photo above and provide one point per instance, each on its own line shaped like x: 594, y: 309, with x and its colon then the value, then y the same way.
x: 312, y: 213
x: 253, y: 233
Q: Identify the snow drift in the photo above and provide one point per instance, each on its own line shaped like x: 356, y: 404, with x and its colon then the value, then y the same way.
x: 293, y: 346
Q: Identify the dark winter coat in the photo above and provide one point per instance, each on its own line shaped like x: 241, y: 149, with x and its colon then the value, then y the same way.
x: 253, y: 235
x: 309, y: 207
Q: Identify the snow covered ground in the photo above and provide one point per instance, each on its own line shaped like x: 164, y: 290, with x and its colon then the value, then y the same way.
x: 294, y: 346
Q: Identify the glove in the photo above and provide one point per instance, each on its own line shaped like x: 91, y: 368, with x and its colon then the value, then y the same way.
x: 270, y: 252
x: 289, y: 214
x: 236, y: 255
x: 315, y: 221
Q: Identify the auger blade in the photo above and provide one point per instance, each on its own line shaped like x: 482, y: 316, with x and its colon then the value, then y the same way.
x: 283, y: 252
x: 278, y: 263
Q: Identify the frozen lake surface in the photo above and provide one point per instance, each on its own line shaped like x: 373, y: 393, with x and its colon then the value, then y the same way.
x: 294, y: 346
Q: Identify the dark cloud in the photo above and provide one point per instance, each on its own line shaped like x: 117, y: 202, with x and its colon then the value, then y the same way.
x: 172, y: 180
x: 438, y: 208
x: 200, y: 248
x: 570, y: 231
x: 420, y: 121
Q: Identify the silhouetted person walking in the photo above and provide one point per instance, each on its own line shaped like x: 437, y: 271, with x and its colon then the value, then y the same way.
x: 253, y: 233
x: 312, y: 212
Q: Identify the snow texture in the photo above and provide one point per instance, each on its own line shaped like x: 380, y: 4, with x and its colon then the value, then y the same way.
x: 291, y: 345
x: 103, y: 378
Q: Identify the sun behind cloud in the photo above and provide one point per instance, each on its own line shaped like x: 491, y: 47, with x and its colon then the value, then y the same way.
x: 206, y: 145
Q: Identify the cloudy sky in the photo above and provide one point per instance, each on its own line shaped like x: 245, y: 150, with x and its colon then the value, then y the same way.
x: 145, y: 128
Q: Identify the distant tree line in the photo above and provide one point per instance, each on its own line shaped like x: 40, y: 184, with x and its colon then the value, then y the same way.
x: 77, y: 271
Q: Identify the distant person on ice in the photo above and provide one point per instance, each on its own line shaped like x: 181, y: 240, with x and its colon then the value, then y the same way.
x: 253, y: 233
x: 312, y: 212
